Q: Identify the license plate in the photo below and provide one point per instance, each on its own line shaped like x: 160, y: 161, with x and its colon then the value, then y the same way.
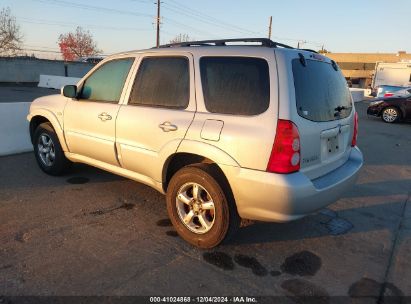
x: 332, y: 145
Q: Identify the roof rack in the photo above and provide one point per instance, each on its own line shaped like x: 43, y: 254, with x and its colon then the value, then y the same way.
x: 265, y: 42
x: 310, y: 50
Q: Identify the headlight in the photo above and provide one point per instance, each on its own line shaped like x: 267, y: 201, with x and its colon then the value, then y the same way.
x: 375, y: 103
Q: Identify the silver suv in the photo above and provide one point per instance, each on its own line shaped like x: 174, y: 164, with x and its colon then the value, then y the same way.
x: 227, y: 129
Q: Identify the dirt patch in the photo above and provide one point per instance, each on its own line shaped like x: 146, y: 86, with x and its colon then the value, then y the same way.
x: 304, y: 263
x: 125, y: 206
x: 303, y: 291
x: 22, y: 236
x: 172, y: 233
x: 164, y: 223
x: 275, y: 273
x: 77, y: 180
x: 382, y: 292
x: 252, y: 263
x: 219, y: 259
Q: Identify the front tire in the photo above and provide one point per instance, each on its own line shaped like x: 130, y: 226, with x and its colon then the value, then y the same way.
x: 391, y: 115
x: 198, y: 208
x: 47, y: 149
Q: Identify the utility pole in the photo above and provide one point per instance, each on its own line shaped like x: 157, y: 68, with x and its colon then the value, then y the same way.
x: 158, y: 23
x: 269, y: 27
x: 301, y: 43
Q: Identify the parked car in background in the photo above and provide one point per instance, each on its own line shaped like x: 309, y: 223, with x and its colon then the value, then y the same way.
x: 382, y: 90
x: 392, y: 109
x: 228, y: 132
x: 400, y: 93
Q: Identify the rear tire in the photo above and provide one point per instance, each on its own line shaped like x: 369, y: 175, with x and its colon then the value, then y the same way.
x: 200, y: 211
x: 391, y: 115
x: 47, y: 149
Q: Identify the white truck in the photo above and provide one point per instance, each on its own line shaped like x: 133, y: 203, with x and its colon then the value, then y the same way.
x: 392, y: 74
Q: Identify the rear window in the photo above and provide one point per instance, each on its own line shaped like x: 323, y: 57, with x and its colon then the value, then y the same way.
x: 321, y: 92
x: 235, y: 85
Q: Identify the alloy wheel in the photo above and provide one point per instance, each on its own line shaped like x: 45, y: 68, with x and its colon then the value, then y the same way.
x: 195, y: 208
x: 390, y: 115
x: 46, y: 150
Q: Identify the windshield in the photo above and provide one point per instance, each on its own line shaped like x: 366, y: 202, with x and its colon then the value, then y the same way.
x: 321, y: 91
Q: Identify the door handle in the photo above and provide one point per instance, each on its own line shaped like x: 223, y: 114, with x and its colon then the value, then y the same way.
x: 168, y: 126
x: 104, y: 116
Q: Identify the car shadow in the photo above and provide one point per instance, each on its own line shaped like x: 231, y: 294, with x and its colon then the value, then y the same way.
x: 344, y: 222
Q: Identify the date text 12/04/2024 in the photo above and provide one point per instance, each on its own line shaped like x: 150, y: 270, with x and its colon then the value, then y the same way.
x: 202, y: 299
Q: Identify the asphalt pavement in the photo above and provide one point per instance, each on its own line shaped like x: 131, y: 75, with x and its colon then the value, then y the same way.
x: 94, y: 233
x: 25, y: 92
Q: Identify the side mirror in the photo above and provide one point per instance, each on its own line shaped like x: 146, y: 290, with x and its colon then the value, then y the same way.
x: 70, y: 91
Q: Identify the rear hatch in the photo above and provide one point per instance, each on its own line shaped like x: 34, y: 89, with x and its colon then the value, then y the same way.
x: 323, y: 111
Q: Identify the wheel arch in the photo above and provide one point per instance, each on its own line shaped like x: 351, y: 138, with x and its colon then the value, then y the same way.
x: 43, y: 116
x: 182, y: 159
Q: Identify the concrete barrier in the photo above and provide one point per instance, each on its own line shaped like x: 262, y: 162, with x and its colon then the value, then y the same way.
x: 357, y: 94
x: 14, y: 69
x: 56, y: 82
x: 14, y: 128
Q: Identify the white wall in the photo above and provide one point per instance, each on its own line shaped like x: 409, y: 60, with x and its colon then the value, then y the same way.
x: 56, y: 82
x: 359, y: 94
x: 14, y: 128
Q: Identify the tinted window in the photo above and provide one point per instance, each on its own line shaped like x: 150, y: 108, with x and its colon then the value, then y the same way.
x: 321, y: 92
x: 106, y: 83
x: 162, y: 82
x: 235, y: 85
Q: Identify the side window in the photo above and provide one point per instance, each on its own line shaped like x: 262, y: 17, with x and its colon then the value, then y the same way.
x: 235, y: 85
x: 107, y: 82
x: 162, y: 82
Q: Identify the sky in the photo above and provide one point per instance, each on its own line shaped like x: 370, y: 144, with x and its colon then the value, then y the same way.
x: 340, y: 26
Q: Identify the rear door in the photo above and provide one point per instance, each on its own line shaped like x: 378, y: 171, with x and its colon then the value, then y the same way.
x: 160, y: 108
x: 323, y: 112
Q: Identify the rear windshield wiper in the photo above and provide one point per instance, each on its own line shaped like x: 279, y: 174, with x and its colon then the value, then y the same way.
x: 340, y: 108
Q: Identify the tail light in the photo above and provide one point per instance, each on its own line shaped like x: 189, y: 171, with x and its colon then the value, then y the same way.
x: 355, y: 133
x: 388, y: 94
x: 285, y: 155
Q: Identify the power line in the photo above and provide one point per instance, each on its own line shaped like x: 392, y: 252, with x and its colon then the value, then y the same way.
x: 176, y: 7
x: 185, y: 26
x: 109, y: 10
x: 200, y: 19
x: 93, y: 8
x: 69, y: 24
x: 208, y: 17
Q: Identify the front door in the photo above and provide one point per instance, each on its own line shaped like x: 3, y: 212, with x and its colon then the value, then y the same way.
x: 89, y: 120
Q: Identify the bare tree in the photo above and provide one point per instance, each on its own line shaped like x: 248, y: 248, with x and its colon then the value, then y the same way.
x: 77, y: 44
x: 181, y: 38
x: 10, y: 36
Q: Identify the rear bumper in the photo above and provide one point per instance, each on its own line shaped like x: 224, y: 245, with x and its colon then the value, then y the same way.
x: 285, y: 197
